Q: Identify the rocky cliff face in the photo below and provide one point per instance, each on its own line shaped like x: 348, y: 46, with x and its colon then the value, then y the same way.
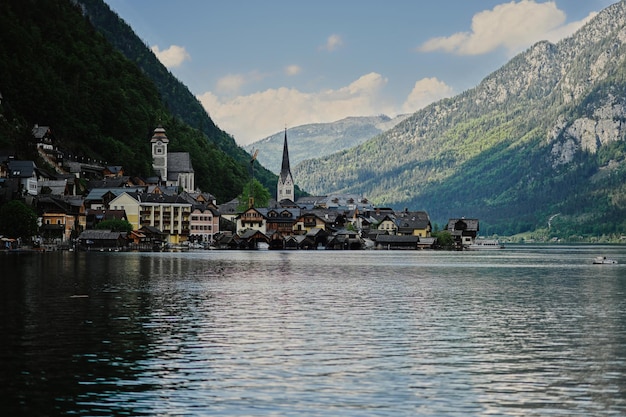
x: 543, y: 111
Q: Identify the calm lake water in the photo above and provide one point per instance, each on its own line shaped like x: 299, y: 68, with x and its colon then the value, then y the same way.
x: 527, y: 331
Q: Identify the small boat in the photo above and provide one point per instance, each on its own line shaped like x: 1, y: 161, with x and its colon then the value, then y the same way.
x: 601, y: 260
x: 486, y: 244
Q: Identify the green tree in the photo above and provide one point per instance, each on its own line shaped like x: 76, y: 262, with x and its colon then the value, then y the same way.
x: 444, y: 239
x: 260, y: 194
x: 115, y: 225
x: 18, y: 220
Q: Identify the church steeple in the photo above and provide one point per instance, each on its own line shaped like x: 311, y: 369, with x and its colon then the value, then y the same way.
x: 285, y: 189
x: 159, y: 143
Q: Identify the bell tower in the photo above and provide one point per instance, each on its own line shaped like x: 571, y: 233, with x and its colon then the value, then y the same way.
x: 159, y: 152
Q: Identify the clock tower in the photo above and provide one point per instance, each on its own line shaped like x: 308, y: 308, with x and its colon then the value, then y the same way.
x: 159, y: 153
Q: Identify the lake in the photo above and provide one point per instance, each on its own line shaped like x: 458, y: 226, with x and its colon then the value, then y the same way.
x: 526, y: 331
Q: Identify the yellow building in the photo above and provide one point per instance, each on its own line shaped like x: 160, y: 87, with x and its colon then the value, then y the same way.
x: 168, y: 213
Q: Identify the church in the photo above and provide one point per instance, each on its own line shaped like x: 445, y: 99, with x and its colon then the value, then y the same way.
x: 173, y: 168
x: 285, y: 187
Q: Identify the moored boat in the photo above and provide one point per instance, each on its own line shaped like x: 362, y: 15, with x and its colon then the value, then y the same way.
x: 602, y: 260
x: 486, y: 244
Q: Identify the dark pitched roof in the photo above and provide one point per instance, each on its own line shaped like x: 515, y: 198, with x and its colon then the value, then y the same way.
x: 463, y: 224
x: 178, y: 162
x: 21, y: 169
x: 161, y: 198
x: 391, y: 239
x: 39, y: 132
x: 97, y: 234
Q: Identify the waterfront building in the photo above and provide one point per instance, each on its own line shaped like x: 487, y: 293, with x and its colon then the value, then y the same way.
x: 170, y: 214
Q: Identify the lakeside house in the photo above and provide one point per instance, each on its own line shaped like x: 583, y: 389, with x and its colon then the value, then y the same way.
x: 165, y: 211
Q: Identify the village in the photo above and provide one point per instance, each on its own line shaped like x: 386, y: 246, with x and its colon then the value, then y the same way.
x: 167, y: 212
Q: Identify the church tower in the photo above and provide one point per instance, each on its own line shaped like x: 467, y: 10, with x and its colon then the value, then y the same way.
x: 285, y: 180
x: 159, y: 152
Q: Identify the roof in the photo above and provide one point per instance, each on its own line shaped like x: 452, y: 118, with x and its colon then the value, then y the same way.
x: 396, y: 239
x: 283, y: 213
x: 106, y: 214
x: 39, y: 132
x: 463, y: 224
x: 22, y: 169
x: 178, y: 162
x: 97, y: 193
x: 114, y: 169
x: 97, y: 234
x: 116, y: 182
x: 161, y: 198
x: 229, y: 207
x: 412, y: 220
x: 56, y: 187
x: 151, y: 230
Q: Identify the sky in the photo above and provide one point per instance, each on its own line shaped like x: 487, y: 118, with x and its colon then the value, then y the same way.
x: 259, y: 67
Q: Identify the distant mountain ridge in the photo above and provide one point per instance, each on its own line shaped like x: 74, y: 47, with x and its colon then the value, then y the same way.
x: 320, y: 139
x: 531, y: 140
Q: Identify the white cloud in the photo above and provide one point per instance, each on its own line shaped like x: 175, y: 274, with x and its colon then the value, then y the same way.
x: 332, y: 43
x: 513, y: 26
x: 172, y: 57
x: 253, y: 117
x: 293, y: 70
x: 230, y: 83
x: 426, y: 91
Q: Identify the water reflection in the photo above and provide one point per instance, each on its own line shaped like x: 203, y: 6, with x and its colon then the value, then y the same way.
x: 526, y: 331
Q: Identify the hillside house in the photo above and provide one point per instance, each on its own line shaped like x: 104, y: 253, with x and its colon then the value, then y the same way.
x: 26, y: 173
x: 113, y: 171
x: 43, y: 137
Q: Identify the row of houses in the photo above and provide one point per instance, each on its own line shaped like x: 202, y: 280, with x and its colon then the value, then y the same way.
x: 71, y: 202
x: 162, y: 216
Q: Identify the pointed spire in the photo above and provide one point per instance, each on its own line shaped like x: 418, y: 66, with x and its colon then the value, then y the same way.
x: 284, y: 169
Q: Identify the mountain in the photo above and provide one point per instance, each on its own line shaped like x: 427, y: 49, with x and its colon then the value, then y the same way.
x: 541, y: 138
x: 320, y: 139
x: 175, y: 95
x: 59, y: 71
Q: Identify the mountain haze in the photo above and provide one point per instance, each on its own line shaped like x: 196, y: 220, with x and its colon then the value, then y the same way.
x: 320, y: 139
x: 542, y: 136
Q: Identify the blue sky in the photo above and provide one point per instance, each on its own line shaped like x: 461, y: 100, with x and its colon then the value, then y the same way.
x: 261, y: 66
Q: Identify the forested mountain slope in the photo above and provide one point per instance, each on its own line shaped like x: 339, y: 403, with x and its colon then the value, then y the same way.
x: 58, y: 71
x: 175, y: 95
x: 542, y: 136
